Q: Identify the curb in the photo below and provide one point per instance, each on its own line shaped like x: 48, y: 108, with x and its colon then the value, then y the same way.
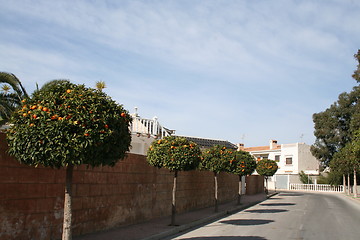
x: 205, y: 220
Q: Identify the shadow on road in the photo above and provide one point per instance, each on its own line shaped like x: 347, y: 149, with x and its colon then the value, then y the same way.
x: 291, y: 194
x: 267, y: 211
x: 226, y: 238
x: 247, y: 222
x: 275, y: 198
x: 277, y: 204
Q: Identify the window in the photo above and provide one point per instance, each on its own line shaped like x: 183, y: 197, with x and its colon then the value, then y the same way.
x: 288, y: 160
x: 277, y: 158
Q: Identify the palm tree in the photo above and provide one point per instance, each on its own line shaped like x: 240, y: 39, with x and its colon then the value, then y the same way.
x: 100, y: 85
x: 12, y: 92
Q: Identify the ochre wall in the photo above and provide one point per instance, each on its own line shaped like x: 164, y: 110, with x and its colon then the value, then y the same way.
x: 31, y: 199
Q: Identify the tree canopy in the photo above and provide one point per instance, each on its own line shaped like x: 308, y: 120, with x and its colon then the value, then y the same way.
x: 174, y: 153
x: 335, y: 126
x: 266, y: 167
x: 217, y: 159
x: 69, y: 124
x: 244, y: 164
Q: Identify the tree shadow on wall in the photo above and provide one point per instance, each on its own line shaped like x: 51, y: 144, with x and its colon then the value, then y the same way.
x: 226, y: 238
x: 267, y: 211
x: 247, y: 222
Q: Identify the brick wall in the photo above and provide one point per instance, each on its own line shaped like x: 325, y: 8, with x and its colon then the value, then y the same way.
x: 31, y: 199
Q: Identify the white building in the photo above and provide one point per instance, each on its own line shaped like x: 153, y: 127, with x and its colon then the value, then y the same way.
x: 291, y: 159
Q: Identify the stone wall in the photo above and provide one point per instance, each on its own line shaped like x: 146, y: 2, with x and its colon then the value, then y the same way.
x: 31, y: 199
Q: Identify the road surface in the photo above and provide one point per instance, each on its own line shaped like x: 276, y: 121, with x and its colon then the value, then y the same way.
x: 288, y: 215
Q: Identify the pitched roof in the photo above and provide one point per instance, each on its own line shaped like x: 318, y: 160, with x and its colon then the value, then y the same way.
x: 261, y: 148
x: 207, y: 143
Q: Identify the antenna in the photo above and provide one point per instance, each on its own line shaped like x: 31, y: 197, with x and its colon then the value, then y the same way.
x: 242, y: 138
x: 301, y: 137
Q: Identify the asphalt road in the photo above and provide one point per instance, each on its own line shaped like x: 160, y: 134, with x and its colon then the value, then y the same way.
x: 288, y: 215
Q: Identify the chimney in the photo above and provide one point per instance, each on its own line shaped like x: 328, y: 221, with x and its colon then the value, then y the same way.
x: 273, y: 144
x: 240, y: 146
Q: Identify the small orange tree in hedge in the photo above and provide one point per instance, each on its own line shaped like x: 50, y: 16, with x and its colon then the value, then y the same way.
x: 244, y: 164
x: 217, y: 159
x: 175, y: 154
x: 67, y: 125
x: 266, y: 168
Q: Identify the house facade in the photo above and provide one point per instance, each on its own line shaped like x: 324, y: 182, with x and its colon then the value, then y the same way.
x: 291, y: 159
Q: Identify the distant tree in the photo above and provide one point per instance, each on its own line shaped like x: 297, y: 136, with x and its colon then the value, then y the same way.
x: 11, y: 94
x: 217, y: 159
x: 334, y: 126
x: 266, y: 168
x: 356, y: 74
x: 340, y: 164
x: 176, y: 154
x: 244, y: 164
x: 304, y: 178
x: 355, y: 160
x: 65, y: 125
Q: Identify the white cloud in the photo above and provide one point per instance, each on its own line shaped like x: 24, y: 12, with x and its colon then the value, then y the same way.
x: 171, y: 58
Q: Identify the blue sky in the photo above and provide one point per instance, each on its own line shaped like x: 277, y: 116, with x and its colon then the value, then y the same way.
x: 242, y: 71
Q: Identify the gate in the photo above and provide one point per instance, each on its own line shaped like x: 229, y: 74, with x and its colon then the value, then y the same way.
x: 281, y: 181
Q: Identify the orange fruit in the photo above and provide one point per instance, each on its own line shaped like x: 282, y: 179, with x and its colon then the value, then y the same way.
x: 123, y: 114
x: 68, y: 91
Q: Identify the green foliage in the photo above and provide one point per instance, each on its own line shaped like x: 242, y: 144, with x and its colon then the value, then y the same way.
x: 11, y: 95
x: 174, y: 153
x: 332, y: 178
x: 244, y: 164
x: 217, y: 159
x: 69, y: 124
x: 342, y: 160
x: 356, y: 74
x: 266, y: 167
x: 335, y: 126
x: 304, y: 178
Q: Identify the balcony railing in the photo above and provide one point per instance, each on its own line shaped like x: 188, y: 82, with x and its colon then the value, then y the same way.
x: 149, y: 127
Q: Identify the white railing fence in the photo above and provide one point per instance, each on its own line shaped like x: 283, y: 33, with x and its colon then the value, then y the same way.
x: 316, y: 187
x: 150, y: 127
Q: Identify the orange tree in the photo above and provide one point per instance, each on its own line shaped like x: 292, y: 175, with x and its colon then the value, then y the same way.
x: 175, y: 154
x: 243, y: 164
x: 266, y: 168
x: 67, y: 125
x: 217, y: 159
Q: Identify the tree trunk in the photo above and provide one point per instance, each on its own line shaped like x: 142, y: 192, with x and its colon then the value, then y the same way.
x: 67, y: 233
x: 266, y: 185
x: 344, y: 182
x: 355, y: 184
x: 216, y: 192
x: 240, y: 190
x: 173, y: 206
x: 349, y: 185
